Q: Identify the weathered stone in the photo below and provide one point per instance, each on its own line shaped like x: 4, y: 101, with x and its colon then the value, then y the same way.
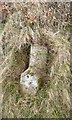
x: 31, y: 78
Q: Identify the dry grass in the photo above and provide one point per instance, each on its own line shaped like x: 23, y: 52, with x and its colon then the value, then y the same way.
x: 52, y: 101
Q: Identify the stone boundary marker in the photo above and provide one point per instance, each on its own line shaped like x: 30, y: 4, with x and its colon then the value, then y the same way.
x: 31, y: 78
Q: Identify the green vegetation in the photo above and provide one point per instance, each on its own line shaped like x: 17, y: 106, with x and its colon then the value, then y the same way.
x: 1, y: 27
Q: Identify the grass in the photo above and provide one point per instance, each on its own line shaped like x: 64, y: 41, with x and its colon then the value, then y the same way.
x: 48, y: 102
x: 32, y: 106
x: 1, y: 27
x: 52, y: 100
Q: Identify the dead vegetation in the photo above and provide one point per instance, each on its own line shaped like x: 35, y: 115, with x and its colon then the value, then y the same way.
x: 51, y: 101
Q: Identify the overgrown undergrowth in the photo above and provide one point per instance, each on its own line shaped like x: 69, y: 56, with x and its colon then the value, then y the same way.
x: 51, y: 101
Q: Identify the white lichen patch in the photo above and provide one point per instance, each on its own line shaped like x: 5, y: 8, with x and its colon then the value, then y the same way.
x: 29, y: 82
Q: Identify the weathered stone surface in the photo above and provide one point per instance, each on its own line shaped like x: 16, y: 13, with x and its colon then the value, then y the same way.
x: 31, y: 78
